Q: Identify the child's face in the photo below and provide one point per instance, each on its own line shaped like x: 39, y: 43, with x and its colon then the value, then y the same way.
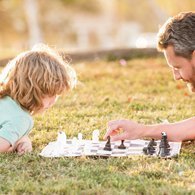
x: 48, y: 102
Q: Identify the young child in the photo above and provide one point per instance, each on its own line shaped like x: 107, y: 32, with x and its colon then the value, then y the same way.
x: 30, y: 84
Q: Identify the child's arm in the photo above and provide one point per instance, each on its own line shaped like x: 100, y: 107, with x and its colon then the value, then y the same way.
x: 24, y: 145
x: 4, y: 145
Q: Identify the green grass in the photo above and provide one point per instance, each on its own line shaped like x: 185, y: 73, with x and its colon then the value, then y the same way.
x: 143, y: 91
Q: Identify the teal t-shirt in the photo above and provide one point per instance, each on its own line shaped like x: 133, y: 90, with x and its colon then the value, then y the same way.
x: 15, y: 122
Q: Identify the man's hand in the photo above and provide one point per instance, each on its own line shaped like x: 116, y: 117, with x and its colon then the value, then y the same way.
x: 24, y: 146
x: 124, y: 129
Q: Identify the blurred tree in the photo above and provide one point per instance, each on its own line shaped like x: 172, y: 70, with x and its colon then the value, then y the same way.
x: 158, y: 11
x: 139, y: 11
x: 175, y: 6
x: 13, y: 27
x: 83, y: 5
x: 32, y: 15
x: 55, y: 20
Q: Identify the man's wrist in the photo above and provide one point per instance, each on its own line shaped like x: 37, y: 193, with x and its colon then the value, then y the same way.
x: 142, y: 131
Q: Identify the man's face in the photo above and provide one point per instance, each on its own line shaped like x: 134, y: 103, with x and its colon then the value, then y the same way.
x: 182, y: 68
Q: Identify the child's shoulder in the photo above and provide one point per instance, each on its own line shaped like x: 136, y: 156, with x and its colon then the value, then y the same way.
x: 8, y: 101
x: 10, y: 106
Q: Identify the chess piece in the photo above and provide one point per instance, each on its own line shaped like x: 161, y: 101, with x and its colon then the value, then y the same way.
x: 145, y: 150
x: 152, y: 143
x: 108, y: 145
x: 164, y: 147
x: 122, y: 146
x: 150, y: 149
x: 74, y: 145
x: 80, y: 136
x: 95, y: 136
x: 60, y: 144
x: 61, y: 139
x: 164, y: 137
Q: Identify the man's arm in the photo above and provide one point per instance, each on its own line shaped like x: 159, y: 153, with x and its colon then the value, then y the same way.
x: 179, y: 131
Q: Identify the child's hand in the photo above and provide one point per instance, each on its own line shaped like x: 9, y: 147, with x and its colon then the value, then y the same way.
x: 123, y: 129
x: 24, y: 147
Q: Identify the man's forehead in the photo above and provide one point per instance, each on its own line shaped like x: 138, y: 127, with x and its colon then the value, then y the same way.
x: 170, y: 56
x: 167, y: 55
x: 170, y: 51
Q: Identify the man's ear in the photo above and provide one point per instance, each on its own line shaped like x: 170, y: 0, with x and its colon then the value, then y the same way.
x: 193, y: 57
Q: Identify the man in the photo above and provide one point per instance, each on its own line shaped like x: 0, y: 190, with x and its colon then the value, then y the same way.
x: 176, y: 39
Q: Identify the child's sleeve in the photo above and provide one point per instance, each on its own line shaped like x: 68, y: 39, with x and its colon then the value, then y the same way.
x: 14, y: 129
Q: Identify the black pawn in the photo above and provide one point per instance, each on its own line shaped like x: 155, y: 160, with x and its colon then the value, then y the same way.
x: 108, y: 145
x: 122, y: 146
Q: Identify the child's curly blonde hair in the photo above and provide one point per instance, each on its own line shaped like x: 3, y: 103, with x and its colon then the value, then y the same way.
x: 35, y: 74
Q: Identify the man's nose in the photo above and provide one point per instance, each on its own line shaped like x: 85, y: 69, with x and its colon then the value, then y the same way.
x: 176, y: 75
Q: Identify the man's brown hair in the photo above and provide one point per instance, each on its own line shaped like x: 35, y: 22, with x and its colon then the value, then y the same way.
x: 178, y: 31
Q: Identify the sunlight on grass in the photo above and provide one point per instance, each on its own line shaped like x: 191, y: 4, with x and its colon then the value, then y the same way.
x: 143, y: 90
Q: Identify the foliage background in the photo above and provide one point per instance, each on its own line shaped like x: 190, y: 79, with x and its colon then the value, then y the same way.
x: 59, y: 22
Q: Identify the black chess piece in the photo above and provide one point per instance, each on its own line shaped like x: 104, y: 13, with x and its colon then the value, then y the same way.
x: 151, y: 148
x: 152, y: 143
x: 164, y: 147
x: 108, y: 145
x: 145, y: 150
x: 122, y: 146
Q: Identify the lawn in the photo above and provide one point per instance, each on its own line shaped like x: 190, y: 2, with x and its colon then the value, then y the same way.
x: 142, y: 90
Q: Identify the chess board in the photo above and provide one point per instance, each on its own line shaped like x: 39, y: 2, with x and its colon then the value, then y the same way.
x: 88, y: 148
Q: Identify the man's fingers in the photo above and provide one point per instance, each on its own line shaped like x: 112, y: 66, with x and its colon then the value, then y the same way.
x: 112, y: 130
x: 110, y: 133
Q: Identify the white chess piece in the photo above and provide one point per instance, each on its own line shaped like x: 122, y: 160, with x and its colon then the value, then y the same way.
x: 61, y: 138
x: 95, y: 136
x: 60, y: 143
x: 75, y: 145
x: 80, y: 136
x: 74, y: 141
x: 87, y: 148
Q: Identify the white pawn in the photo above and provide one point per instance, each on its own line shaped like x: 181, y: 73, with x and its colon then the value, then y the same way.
x: 74, y: 141
x: 95, y: 136
x: 60, y: 144
x: 87, y: 148
x: 75, y: 145
x: 80, y: 136
x: 61, y: 138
